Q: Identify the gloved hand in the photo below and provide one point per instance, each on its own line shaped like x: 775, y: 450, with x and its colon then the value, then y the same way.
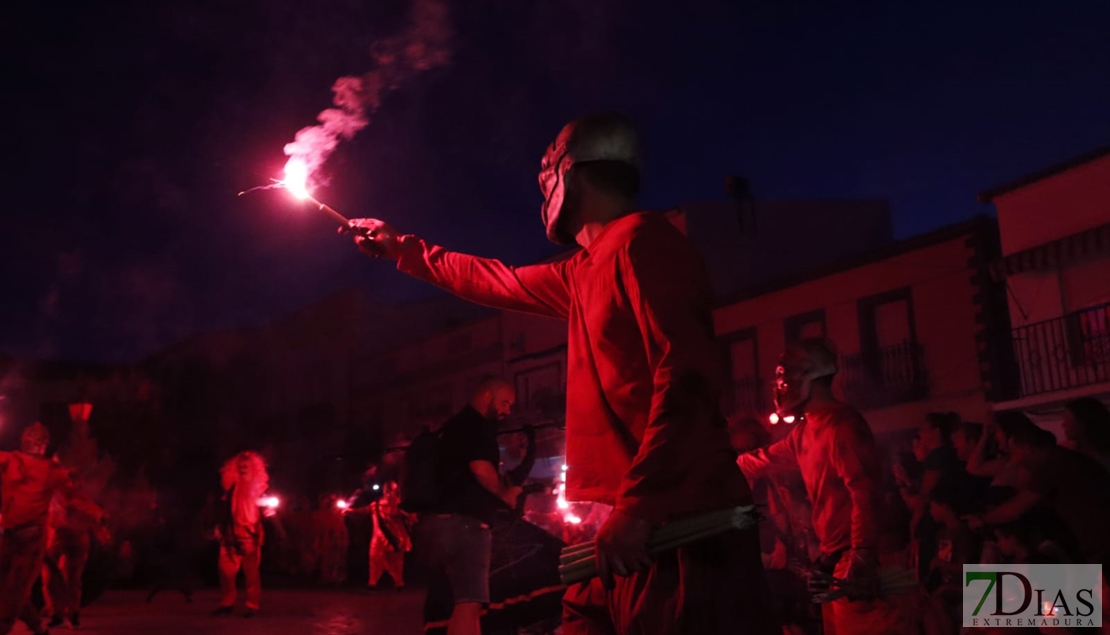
x: 374, y: 237
x: 863, y: 574
x: 622, y: 547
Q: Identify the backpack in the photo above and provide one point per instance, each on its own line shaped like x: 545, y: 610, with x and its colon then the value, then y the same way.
x: 419, y: 474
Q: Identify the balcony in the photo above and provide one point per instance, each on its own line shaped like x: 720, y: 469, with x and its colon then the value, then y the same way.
x: 887, y: 376
x: 1067, y: 352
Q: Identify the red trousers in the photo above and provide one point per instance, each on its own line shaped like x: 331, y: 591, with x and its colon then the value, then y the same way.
x: 66, y: 555
x: 246, y: 555
x: 21, y: 553
x: 713, y: 587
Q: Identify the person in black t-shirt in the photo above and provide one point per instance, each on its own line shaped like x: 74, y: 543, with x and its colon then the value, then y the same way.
x: 457, y: 536
x: 467, y: 476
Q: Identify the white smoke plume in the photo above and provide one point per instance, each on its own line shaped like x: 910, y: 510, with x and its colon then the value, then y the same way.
x: 425, y: 45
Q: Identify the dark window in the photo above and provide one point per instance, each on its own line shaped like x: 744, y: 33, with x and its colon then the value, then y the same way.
x: 744, y: 393
x: 890, y: 367
x: 540, y: 390
x: 886, y: 321
x: 806, y: 325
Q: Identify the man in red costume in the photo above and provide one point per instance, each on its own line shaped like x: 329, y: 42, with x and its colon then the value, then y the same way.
x: 644, y: 433
x: 28, y: 480
x: 835, y: 452
x: 244, y: 480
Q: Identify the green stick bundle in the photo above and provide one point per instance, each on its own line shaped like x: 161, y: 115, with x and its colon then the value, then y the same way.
x: 578, y: 563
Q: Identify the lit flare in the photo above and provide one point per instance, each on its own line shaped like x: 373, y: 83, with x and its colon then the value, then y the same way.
x: 296, y: 178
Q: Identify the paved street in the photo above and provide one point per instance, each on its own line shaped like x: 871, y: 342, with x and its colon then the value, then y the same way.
x: 284, y: 613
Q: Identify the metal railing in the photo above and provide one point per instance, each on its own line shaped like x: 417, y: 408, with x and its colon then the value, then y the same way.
x: 1070, y: 351
x: 884, y: 377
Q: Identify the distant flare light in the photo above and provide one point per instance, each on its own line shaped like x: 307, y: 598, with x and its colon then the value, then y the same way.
x: 269, y: 502
x: 342, y: 504
x: 775, y: 419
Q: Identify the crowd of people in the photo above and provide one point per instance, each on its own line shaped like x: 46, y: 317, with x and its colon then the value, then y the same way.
x: 1005, y: 491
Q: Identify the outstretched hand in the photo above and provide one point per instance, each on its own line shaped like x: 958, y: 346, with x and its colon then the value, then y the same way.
x: 622, y: 547
x: 374, y: 237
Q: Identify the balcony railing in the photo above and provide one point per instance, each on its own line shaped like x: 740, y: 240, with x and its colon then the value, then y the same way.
x: 887, y: 376
x: 1070, y: 351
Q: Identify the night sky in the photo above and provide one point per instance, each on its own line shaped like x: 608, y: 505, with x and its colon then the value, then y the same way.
x: 137, y: 123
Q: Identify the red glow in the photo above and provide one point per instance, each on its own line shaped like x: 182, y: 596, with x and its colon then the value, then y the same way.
x: 80, y: 411
x: 296, y: 178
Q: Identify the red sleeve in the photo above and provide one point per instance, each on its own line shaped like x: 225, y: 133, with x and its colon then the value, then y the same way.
x: 538, y: 289
x: 854, y: 457
x: 780, y: 456
x: 668, y: 292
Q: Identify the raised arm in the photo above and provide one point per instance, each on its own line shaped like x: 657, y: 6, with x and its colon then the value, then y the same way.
x: 775, y: 458
x: 538, y: 289
x: 977, y: 462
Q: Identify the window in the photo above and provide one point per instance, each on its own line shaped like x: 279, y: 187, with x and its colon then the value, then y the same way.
x: 886, y: 321
x: 804, y: 326
x: 1088, y: 333
x: 741, y: 360
x: 540, y: 390
x: 889, y: 368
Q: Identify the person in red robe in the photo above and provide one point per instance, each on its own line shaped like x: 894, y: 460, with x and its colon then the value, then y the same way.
x: 834, y: 450
x: 644, y: 432
x: 28, y: 482
x: 244, y: 481
x: 390, y: 541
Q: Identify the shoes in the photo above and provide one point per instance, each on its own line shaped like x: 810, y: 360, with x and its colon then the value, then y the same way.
x: 223, y: 611
x: 250, y: 613
x: 75, y: 620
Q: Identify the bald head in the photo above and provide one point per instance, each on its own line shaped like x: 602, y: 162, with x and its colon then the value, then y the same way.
x: 494, y: 398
